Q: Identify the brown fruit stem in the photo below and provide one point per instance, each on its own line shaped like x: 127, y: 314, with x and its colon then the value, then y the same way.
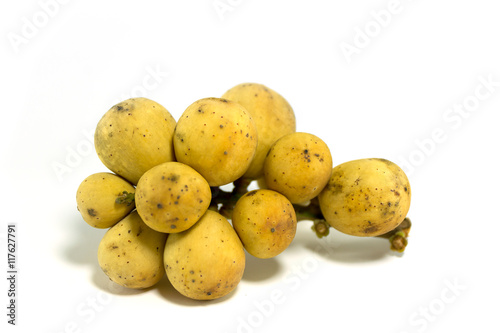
x: 399, y: 236
x: 312, y: 212
x: 224, y: 202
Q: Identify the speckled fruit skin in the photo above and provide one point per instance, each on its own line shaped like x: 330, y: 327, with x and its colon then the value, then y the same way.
x: 171, y: 197
x: 217, y: 138
x: 265, y: 221
x: 96, y: 199
x: 134, y: 136
x: 366, y: 197
x: 272, y: 114
x: 206, y: 261
x: 131, y: 253
x: 298, y: 166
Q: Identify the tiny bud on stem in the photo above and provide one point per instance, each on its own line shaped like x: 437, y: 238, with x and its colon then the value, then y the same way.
x: 125, y: 198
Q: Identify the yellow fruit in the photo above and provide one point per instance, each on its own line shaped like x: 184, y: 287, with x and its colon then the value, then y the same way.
x: 96, y: 199
x: 171, y: 197
x: 134, y: 136
x: 298, y: 166
x: 265, y: 222
x: 272, y: 114
x: 217, y: 138
x: 366, y: 197
x: 207, y: 260
x: 131, y: 253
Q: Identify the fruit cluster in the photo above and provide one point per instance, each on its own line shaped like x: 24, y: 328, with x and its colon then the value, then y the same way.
x: 167, y: 213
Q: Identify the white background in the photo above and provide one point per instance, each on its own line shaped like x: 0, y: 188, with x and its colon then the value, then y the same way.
x: 396, y: 95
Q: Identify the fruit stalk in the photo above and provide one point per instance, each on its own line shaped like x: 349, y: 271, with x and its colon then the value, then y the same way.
x: 224, y: 202
x: 125, y: 198
x: 399, y: 236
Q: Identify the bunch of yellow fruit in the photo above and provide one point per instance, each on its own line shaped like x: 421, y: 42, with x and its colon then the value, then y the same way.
x: 167, y: 214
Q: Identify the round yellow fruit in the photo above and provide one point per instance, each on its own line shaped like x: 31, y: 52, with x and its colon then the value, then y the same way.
x: 171, y: 197
x: 265, y: 221
x: 131, y: 253
x: 366, y: 197
x: 206, y: 261
x: 217, y: 138
x: 298, y: 166
x: 134, y: 136
x: 96, y: 199
x: 272, y: 114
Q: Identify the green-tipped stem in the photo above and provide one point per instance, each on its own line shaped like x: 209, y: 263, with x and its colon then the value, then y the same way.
x: 312, y: 212
x: 125, y: 198
x: 224, y: 202
x: 399, y: 236
x: 309, y: 212
x: 398, y: 241
x: 321, y: 228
